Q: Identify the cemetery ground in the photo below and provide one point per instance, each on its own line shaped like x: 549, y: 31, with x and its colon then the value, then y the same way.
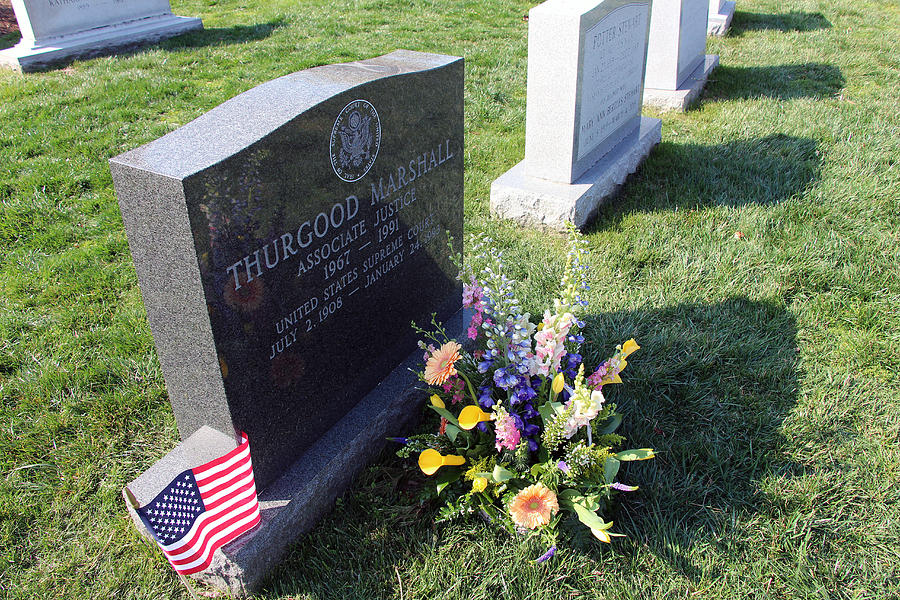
x: 754, y: 257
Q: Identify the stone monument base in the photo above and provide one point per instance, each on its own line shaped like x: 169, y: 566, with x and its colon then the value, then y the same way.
x: 33, y: 55
x: 681, y: 98
x: 293, y: 503
x: 720, y: 21
x: 548, y: 204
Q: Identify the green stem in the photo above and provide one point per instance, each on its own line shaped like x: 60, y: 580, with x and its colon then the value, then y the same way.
x: 469, y: 384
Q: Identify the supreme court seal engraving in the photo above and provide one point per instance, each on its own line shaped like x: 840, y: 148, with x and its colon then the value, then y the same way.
x: 355, y: 139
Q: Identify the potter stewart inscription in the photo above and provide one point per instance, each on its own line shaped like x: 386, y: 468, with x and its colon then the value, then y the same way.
x: 317, y: 236
x: 613, y: 65
x: 584, y: 133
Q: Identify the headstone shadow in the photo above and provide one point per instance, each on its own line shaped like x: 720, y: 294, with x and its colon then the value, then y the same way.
x: 226, y: 36
x: 783, y: 82
x: 709, y: 390
x: 207, y: 37
x: 790, y: 21
x: 692, y: 176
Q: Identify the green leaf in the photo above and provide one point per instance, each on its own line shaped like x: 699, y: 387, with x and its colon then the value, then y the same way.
x: 500, y: 474
x: 611, y: 424
x: 569, y: 495
x: 446, y: 476
x: 549, y: 410
x: 611, y: 469
x: 445, y: 413
x: 452, y: 431
x: 546, y: 412
x: 591, y: 502
x: 590, y: 518
x: 638, y: 454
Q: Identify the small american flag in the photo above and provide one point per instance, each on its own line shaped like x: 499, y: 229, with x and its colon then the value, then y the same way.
x: 204, y: 508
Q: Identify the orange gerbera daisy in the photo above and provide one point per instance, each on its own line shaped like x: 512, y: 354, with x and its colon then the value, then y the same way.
x: 440, y: 367
x: 247, y: 296
x: 533, y: 506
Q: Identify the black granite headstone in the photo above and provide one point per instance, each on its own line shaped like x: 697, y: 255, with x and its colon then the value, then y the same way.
x: 285, y: 240
x: 283, y: 243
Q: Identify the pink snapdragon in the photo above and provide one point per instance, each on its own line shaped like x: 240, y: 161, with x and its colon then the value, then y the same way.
x: 508, y: 435
x: 550, y: 343
x: 456, y: 386
x: 473, y: 295
x: 477, y: 320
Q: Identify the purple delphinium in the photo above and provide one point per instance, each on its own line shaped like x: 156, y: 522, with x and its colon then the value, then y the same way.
x: 485, y: 400
x: 574, y: 361
x: 523, y: 393
x: 623, y: 488
x: 546, y: 555
x: 505, y: 379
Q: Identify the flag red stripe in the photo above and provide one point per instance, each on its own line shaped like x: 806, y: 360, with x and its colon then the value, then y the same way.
x: 209, y: 532
x: 226, y: 480
x: 209, y: 558
x: 198, y: 471
x: 213, y: 473
x: 220, y: 501
x: 208, y: 519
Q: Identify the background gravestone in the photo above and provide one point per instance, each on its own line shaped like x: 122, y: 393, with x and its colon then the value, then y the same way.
x: 720, y: 14
x: 677, y: 63
x: 584, y: 133
x: 283, y: 242
x: 55, y: 30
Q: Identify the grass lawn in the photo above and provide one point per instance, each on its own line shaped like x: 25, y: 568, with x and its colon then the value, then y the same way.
x: 768, y: 379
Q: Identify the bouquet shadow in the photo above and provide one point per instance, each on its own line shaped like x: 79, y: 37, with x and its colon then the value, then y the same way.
x: 709, y: 391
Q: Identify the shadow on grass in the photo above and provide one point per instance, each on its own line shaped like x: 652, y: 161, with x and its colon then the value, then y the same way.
x: 690, y: 176
x: 791, y: 21
x: 223, y: 36
x: 783, y: 82
x: 217, y: 36
x: 709, y: 390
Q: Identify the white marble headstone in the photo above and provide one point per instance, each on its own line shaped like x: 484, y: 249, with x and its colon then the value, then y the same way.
x: 677, y: 65
x: 584, y: 133
x: 585, y: 74
x: 55, y: 30
x: 677, y: 41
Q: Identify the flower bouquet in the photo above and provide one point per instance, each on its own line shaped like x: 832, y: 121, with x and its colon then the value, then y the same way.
x: 526, y: 436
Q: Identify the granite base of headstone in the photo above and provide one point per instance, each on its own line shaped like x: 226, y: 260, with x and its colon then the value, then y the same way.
x: 306, y: 491
x: 680, y: 98
x: 721, y: 12
x: 584, y: 133
x: 283, y: 243
x: 548, y: 204
x: 677, y: 64
x: 55, y: 31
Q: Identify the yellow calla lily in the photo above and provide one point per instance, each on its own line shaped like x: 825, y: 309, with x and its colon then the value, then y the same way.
x: 559, y: 383
x: 629, y: 347
x: 431, y: 460
x: 436, y: 401
x: 611, y: 379
x: 601, y: 535
x: 471, y: 416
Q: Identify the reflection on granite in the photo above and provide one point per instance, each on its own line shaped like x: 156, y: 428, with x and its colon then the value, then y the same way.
x: 319, y: 232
